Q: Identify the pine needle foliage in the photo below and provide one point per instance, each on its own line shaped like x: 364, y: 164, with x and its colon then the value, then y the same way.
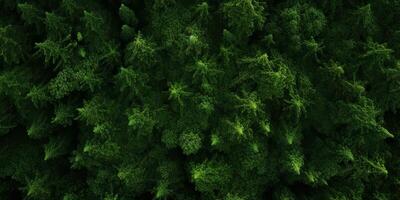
x: 199, y: 100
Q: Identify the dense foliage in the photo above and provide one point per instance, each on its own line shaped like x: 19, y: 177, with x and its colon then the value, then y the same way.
x: 200, y: 99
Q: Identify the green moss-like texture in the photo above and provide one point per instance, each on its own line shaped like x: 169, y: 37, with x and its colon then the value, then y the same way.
x: 200, y: 99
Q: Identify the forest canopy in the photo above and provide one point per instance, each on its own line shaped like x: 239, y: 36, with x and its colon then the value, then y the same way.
x: 200, y: 99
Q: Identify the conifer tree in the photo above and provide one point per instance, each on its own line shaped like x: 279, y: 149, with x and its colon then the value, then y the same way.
x: 199, y: 100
